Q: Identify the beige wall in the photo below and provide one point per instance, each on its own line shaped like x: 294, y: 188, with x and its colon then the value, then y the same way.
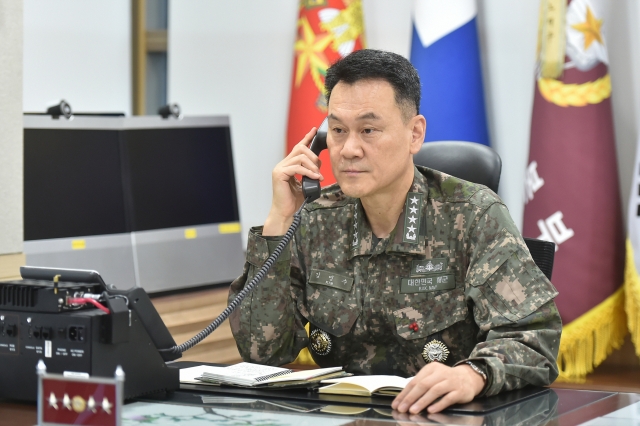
x: 79, y: 51
x: 10, y: 137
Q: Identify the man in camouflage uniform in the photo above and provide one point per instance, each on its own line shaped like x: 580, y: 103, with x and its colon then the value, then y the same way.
x: 396, y: 266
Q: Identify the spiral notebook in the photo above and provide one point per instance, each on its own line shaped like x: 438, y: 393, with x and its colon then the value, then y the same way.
x: 248, y: 374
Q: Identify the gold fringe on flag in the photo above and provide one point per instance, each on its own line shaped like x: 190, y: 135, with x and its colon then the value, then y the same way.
x: 632, y: 297
x: 590, y: 338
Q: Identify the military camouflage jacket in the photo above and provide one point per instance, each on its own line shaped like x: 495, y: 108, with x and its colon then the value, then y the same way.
x: 454, y: 272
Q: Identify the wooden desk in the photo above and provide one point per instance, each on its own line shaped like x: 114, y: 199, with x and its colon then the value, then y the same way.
x: 17, y: 414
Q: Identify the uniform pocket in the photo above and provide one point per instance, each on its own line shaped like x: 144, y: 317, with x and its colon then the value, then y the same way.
x: 331, y: 303
x: 510, y: 281
x: 432, y: 314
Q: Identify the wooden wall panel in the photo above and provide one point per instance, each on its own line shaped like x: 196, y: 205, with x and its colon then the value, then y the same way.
x: 10, y: 266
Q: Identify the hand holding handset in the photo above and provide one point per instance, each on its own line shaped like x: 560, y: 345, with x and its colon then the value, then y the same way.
x: 311, y: 192
x: 311, y: 187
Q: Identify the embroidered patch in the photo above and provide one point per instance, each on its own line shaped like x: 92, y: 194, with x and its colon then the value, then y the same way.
x: 427, y: 284
x: 428, y: 266
x: 330, y: 279
x: 412, y: 213
x: 355, y: 242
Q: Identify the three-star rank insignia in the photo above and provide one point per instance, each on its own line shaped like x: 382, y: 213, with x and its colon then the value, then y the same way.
x: 320, y: 342
x: 435, y: 350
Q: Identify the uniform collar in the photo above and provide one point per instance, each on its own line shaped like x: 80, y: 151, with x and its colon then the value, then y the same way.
x: 409, y: 235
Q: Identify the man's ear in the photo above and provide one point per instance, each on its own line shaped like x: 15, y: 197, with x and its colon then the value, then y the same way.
x: 418, y: 130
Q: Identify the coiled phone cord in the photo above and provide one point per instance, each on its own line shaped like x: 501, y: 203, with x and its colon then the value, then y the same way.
x: 245, y: 291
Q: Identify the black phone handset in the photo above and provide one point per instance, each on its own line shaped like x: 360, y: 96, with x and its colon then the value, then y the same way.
x: 311, y: 191
x: 311, y: 187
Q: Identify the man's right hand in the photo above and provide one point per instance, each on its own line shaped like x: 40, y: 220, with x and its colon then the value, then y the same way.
x: 287, y: 190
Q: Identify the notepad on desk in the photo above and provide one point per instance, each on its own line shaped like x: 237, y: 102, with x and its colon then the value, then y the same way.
x: 253, y: 375
x: 365, y: 385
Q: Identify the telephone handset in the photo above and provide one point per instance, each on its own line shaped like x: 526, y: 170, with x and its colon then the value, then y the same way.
x: 311, y: 191
x: 311, y: 187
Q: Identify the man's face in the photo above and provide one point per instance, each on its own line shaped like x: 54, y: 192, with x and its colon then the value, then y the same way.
x: 369, y: 143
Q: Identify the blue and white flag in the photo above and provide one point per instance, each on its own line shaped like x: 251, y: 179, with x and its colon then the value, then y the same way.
x: 445, y: 51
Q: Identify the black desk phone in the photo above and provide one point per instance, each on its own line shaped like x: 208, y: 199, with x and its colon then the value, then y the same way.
x: 311, y: 187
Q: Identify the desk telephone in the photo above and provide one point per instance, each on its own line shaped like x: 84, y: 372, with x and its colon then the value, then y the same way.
x: 47, y: 316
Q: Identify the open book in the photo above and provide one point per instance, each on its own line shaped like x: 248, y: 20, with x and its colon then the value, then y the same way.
x: 366, y: 385
x: 251, y: 375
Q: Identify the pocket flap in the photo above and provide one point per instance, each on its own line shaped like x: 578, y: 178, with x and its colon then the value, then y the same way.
x: 492, y: 258
x: 334, y: 315
x: 432, y: 315
x: 511, y: 282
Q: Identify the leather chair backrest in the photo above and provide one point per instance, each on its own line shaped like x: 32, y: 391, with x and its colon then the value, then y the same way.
x: 465, y: 160
x: 542, y: 253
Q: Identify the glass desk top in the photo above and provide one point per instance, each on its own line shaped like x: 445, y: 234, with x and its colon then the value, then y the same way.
x: 556, y: 406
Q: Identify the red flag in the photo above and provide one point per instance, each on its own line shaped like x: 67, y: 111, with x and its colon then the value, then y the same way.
x: 573, y: 196
x: 327, y: 31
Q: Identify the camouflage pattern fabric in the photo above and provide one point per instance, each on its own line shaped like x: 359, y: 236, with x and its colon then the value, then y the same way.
x: 456, y: 266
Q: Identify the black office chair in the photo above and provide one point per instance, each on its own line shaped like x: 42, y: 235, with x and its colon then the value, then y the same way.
x: 542, y: 253
x: 465, y: 160
x: 479, y: 164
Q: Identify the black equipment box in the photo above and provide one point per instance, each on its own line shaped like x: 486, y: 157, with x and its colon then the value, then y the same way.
x: 36, y: 324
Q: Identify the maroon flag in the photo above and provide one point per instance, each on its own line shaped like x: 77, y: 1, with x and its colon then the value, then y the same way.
x: 572, y: 189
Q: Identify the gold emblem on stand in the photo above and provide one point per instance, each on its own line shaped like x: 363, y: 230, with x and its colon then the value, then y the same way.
x: 78, y: 403
x: 435, y: 350
x: 320, y: 342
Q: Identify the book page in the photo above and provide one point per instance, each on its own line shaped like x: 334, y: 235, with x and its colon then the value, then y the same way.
x: 244, y: 373
x: 372, y: 383
x: 247, y: 370
x: 189, y: 375
x: 304, y: 374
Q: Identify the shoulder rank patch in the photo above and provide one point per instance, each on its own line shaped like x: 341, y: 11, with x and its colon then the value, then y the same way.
x: 412, y: 214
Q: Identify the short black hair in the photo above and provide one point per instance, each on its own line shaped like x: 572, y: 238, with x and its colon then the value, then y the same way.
x: 370, y: 64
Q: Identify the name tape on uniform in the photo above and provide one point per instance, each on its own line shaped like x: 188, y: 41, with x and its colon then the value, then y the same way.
x: 427, y: 284
x: 330, y: 279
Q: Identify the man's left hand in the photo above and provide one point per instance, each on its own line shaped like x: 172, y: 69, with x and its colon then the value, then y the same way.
x: 458, y: 384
